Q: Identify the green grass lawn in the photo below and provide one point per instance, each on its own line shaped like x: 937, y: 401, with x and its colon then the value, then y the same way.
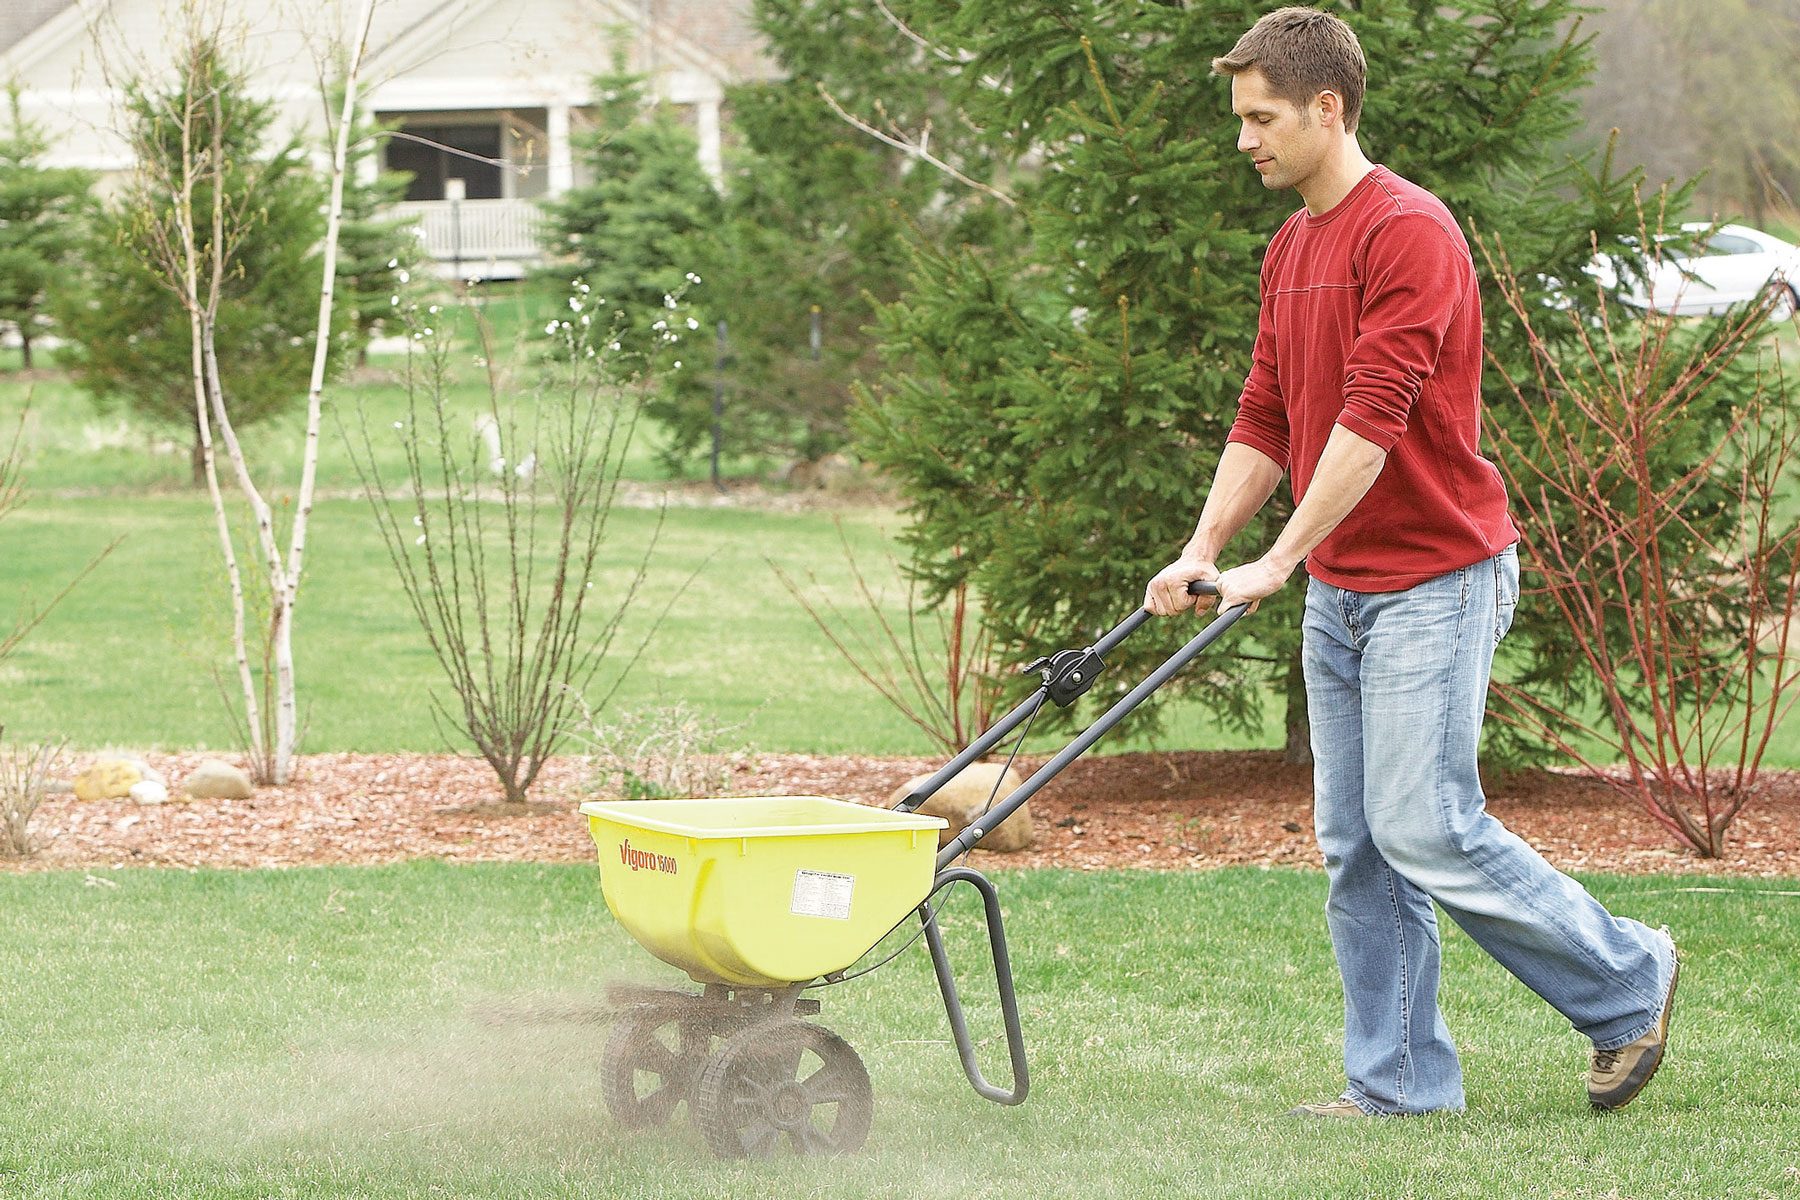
x: 130, y: 659
x: 318, y: 1033
x: 72, y: 449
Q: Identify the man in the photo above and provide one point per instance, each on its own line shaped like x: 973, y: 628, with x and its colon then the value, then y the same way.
x: 1365, y: 386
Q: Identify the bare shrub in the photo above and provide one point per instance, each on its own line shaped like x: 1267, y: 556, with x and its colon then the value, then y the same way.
x: 1651, y: 464
x: 12, y: 497
x: 25, y: 768
x: 501, y: 558
x: 658, y: 753
x: 25, y: 772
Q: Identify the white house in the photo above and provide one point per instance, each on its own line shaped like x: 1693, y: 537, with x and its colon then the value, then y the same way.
x: 485, y: 93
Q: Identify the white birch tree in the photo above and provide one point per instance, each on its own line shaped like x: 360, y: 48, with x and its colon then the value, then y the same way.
x: 194, y: 253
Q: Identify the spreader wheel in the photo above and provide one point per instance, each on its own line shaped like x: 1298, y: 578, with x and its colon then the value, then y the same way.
x: 783, y: 1078
x: 651, y: 1061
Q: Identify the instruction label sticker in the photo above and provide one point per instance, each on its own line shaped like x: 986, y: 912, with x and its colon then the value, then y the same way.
x: 822, y: 894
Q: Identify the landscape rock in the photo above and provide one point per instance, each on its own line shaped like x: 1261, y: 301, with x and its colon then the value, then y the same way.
x: 800, y: 474
x: 215, y: 780
x: 150, y: 791
x: 109, y: 779
x: 831, y: 471
x: 965, y: 797
x: 837, y: 470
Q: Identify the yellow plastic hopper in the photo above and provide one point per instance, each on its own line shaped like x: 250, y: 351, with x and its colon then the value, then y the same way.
x: 761, y: 891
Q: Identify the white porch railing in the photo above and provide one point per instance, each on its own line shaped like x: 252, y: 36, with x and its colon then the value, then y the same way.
x: 477, y: 233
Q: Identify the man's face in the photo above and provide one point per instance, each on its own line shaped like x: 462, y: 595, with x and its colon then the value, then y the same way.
x: 1284, y: 141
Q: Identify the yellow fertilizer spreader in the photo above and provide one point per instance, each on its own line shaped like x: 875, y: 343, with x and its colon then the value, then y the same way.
x: 760, y: 898
x: 761, y: 892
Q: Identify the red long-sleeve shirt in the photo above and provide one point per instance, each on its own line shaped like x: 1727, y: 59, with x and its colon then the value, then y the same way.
x: 1370, y: 320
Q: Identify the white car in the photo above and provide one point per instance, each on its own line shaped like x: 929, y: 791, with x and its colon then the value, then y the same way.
x: 1731, y: 265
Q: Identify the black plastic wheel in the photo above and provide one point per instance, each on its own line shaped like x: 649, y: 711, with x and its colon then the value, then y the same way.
x: 652, y: 1059
x: 786, y: 1079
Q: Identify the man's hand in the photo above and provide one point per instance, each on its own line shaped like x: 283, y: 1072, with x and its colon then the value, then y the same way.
x: 1252, y: 583
x: 1167, y: 594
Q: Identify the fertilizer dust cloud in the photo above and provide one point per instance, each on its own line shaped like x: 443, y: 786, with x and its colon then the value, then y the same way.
x: 503, y: 1078
x: 511, y: 1081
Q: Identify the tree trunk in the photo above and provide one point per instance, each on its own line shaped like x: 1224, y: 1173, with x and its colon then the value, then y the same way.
x: 1298, y: 751
x: 287, y: 732
x: 1754, y: 181
x: 197, y: 459
x: 24, y: 347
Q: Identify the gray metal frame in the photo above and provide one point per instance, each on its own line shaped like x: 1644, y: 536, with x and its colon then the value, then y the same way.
x: 949, y: 873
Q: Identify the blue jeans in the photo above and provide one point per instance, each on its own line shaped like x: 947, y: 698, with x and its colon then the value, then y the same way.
x: 1396, y: 686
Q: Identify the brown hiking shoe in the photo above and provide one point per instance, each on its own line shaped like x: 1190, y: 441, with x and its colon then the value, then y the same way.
x: 1343, y: 1106
x: 1615, y: 1077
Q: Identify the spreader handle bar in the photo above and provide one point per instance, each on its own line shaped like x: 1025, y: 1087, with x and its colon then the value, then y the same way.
x: 994, y: 736
x: 992, y: 818
x: 1009, y: 1001
x: 979, y: 747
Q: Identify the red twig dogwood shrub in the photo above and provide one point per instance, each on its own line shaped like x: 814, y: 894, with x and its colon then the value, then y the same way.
x: 1651, y: 461
x: 940, y: 671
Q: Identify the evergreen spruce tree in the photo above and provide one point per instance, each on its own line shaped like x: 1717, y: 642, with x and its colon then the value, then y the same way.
x: 813, y: 229
x: 1054, y: 413
x: 807, y: 237
x: 812, y: 238
x: 128, y: 334
x: 625, y: 233
x: 41, y: 214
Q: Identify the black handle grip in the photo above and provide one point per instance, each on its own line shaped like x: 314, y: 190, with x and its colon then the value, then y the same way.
x: 1210, y: 587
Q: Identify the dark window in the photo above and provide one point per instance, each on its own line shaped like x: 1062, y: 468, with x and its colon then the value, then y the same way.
x: 1729, y: 243
x: 434, y: 153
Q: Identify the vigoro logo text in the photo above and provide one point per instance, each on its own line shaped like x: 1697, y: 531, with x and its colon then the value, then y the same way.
x: 643, y: 860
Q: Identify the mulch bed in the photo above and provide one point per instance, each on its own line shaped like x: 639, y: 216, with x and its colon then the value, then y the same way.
x: 1164, y: 811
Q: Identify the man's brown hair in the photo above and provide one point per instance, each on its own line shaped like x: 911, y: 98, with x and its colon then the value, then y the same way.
x: 1302, y: 52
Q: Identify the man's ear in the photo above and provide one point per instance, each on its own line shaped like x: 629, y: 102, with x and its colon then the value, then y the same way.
x: 1330, y: 107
